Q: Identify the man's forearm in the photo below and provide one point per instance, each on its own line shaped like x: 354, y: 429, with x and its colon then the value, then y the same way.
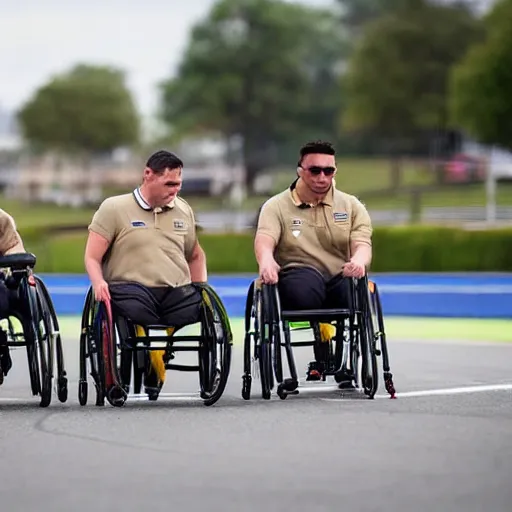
x: 94, y: 270
x: 197, y: 266
x: 264, y: 246
x: 362, y: 253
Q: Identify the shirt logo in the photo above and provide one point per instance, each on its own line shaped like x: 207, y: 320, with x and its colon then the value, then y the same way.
x: 340, y: 216
x: 138, y: 224
x: 297, y: 222
x: 179, y: 224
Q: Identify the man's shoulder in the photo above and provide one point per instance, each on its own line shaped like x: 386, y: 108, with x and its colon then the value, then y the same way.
x: 119, y: 200
x: 276, y: 199
x: 183, y: 205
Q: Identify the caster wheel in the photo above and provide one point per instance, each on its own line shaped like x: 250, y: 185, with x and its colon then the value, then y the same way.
x: 62, y: 389
x: 246, y: 387
x: 82, y: 392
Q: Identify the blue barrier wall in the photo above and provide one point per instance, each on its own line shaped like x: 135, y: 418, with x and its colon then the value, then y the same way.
x: 435, y: 295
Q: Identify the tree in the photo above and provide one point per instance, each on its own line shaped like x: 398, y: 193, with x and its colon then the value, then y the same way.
x: 86, y: 110
x: 480, y: 100
x: 397, y: 78
x: 355, y: 14
x: 262, y: 70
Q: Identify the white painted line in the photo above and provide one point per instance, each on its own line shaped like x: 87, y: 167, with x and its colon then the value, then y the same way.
x: 19, y: 400
x: 166, y: 396
x: 440, y: 392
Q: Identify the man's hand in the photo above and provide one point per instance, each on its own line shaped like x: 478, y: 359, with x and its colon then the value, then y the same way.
x: 269, y: 271
x: 101, y: 291
x: 354, y: 269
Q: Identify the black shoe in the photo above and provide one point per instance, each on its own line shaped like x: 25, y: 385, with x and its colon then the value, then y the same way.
x: 315, y: 371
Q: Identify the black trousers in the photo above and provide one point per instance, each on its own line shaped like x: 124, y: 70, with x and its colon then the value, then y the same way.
x: 306, y: 288
x: 171, y: 306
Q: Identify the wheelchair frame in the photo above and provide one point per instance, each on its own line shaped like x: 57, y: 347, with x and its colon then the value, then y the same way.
x: 112, y: 358
x: 40, y: 333
x: 271, y: 332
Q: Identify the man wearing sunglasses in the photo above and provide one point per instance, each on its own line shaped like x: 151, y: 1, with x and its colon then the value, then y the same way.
x: 311, y: 238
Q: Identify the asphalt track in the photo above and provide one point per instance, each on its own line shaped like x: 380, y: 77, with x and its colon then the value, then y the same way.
x: 445, y: 450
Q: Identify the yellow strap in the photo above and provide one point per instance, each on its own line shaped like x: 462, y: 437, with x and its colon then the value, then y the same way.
x: 327, y: 332
x: 156, y: 357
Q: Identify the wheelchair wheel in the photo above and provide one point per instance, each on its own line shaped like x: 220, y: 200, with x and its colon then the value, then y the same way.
x: 39, y: 340
x: 265, y: 339
x: 369, y: 368
x: 277, y: 334
x: 215, y: 347
x: 62, y: 381
x: 90, y: 347
x: 257, y: 342
x: 249, y: 335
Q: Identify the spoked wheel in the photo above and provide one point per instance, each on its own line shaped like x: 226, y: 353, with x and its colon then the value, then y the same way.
x: 277, y: 335
x: 248, y: 343
x: 114, y: 390
x: 62, y: 381
x: 264, y: 348
x: 369, y: 369
x: 215, y: 347
x: 39, y: 343
x: 90, y: 356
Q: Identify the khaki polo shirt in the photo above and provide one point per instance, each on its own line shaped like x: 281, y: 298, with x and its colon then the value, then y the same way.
x: 316, y: 236
x: 10, y: 240
x: 148, y: 246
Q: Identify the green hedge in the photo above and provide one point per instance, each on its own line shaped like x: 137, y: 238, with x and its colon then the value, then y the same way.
x: 396, y: 249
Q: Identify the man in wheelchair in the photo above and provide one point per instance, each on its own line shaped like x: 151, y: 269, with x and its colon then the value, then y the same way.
x: 10, y: 243
x: 142, y: 254
x: 310, y: 240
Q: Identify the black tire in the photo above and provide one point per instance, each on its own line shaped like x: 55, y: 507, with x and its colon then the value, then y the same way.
x: 369, y: 370
x: 249, y: 344
x: 62, y: 381
x: 82, y: 392
x: 39, y: 342
x: 265, y: 344
x: 96, y: 360
x: 215, y: 352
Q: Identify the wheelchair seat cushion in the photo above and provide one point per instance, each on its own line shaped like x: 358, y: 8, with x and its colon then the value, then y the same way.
x: 169, y: 306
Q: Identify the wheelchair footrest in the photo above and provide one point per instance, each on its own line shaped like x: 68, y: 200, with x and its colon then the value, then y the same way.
x: 182, y: 367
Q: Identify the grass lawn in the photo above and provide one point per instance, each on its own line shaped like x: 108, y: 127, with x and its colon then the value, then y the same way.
x: 42, y: 215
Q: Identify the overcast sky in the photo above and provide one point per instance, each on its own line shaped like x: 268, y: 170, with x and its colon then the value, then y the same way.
x: 144, y: 37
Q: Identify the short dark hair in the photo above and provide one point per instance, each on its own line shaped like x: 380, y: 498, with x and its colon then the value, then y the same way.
x: 162, y: 160
x: 315, y: 147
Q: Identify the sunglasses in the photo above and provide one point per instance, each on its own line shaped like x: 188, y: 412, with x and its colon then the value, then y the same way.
x: 316, y: 170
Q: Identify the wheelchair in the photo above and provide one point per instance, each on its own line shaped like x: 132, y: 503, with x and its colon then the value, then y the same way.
x: 32, y: 309
x: 360, y: 338
x: 113, y: 351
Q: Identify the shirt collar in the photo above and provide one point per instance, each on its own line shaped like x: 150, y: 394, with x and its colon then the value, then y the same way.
x: 144, y: 204
x: 327, y: 201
